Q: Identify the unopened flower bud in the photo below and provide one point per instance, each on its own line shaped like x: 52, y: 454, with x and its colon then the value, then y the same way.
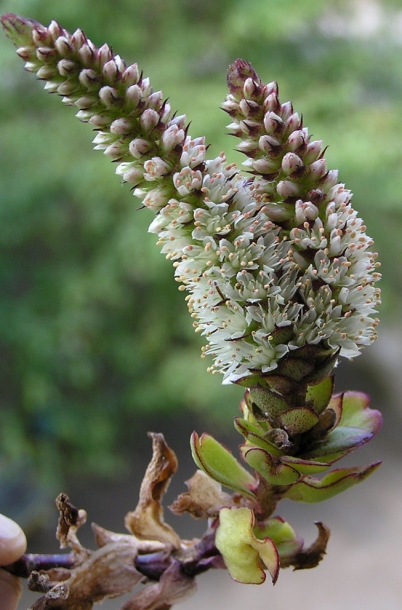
x: 155, y: 100
x: 104, y: 54
x: 133, y: 96
x: 78, y: 39
x: 86, y: 101
x: 312, y: 152
x: 139, y: 147
x: 66, y: 88
x: 265, y: 165
x: 272, y: 122
x: 287, y: 188
x: 271, y: 103
x: 89, y: 79
x: 149, y: 119
x: 121, y: 126
x: 291, y: 162
x: 318, y: 168
x: 110, y: 71
x: 296, y: 139
x: 46, y: 73
x: 63, y: 46
x: 45, y: 54
x: 66, y: 67
x: 87, y: 54
x: 131, y: 75
x: 109, y: 96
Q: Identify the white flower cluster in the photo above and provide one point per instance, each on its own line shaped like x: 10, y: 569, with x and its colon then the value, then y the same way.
x: 272, y: 261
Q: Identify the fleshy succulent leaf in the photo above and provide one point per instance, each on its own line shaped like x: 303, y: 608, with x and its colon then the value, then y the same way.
x: 319, y: 395
x: 287, y: 542
x: 316, y: 490
x: 297, y: 421
x: 241, y: 550
x: 270, y: 468
x: 220, y: 464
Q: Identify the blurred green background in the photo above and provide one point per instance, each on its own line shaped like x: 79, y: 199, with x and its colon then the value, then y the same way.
x: 96, y: 345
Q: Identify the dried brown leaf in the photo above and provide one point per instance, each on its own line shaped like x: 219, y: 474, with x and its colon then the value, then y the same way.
x: 204, y: 498
x: 146, y: 521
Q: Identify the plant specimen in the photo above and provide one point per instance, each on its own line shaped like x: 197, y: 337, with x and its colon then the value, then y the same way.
x: 280, y: 281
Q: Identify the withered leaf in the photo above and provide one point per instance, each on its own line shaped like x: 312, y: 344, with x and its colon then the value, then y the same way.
x: 146, y: 521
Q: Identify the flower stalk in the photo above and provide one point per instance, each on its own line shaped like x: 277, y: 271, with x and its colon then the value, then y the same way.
x: 280, y: 280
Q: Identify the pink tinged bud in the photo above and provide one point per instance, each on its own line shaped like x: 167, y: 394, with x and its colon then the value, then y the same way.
x: 287, y: 188
x: 41, y: 36
x: 114, y: 151
x: 247, y: 147
x: 149, y: 120
x: 46, y: 73
x: 313, y: 151
x: 99, y: 120
x: 66, y: 88
x: 121, y: 127
x: 171, y: 137
x: 272, y: 122
x: 286, y: 110
x: 51, y: 87
x: 180, y: 121
x: 133, y: 96
x: 145, y: 85
x: 318, y: 169
x: 65, y: 67
x: 78, y: 39
x: 110, y: 72
x: 103, y: 139
x: 88, y: 78
x: 108, y: 96
x: 290, y: 163
x: 267, y: 143
x: 63, y: 46
x: 86, y: 101
x: 87, y: 54
x: 155, y: 100
x: 55, y: 30
x: 84, y: 115
x: 330, y: 179
x: 295, y: 140
x: 292, y: 123
x: 131, y: 75
x: 46, y: 54
x: 235, y: 129
x: 249, y: 88
x: 271, y: 103
x: 265, y: 166
x: 230, y: 106
x: 25, y: 52
x: 165, y: 112
x: 139, y: 147
x: 104, y: 54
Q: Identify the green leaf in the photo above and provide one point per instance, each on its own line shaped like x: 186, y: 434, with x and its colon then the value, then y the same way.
x: 282, y: 534
x: 220, y: 464
x: 298, y: 420
x: 316, y: 490
x: 270, y: 468
x: 318, y: 396
x: 243, y: 553
x: 254, y: 436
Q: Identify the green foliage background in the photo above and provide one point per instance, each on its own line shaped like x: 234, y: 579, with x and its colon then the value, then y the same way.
x: 93, y: 332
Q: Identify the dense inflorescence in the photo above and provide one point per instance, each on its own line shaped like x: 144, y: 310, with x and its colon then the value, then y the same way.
x: 273, y: 260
